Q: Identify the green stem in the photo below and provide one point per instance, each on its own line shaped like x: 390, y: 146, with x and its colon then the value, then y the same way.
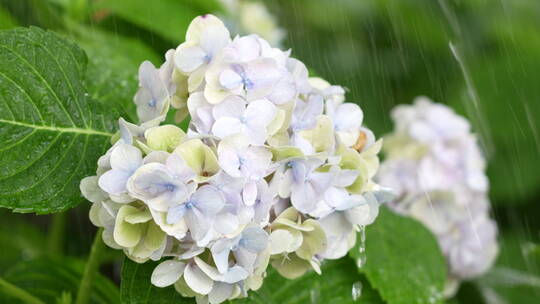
x: 16, y: 292
x: 91, y: 269
x: 56, y: 234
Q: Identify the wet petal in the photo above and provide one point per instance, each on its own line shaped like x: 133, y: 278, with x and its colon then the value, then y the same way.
x: 91, y: 191
x: 126, y: 158
x: 167, y: 273
x: 197, y: 280
x: 260, y: 112
x: 189, y: 57
x: 230, y: 107
x: 220, y: 292
x: 114, y: 181
x: 254, y: 239
x: 208, y: 200
x: 126, y: 234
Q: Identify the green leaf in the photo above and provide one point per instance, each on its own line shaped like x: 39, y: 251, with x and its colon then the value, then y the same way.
x: 6, y: 20
x: 168, y: 18
x: 334, y: 285
x: 404, y: 262
x: 49, y: 280
x: 51, y: 133
x: 136, y: 288
x: 19, y: 239
x: 113, y: 67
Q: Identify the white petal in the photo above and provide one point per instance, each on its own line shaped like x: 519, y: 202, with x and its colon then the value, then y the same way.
x: 91, y: 191
x: 226, y: 223
x: 197, y: 280
x: 345, y: 178
x: 260, y: 112
x: 156, y: 157
x: 214, y: 38
x: 114, y: 181
x: 230, y: 79
x: 126, y: 157
x: 282, y: 241
x: 348, y: 117
x: 226, y: 126
x: 257, y: 162
x: 304, y: 198
x: 200, y: 24
x: 198, y: 224
x: 147, y: 72
x: 254, y: 239
x: 208, y: 199
x: 256, y: 133
x: 167, y: 273
x: 243, y: 49
x: 231, y: 107
x: 189, y: 57
x: 221, y: 259
x: 175, y: 214
x: 229, y: 161
x: 220, y: 292
x: 235, y: 274
x: 249, y: 193
x: 176, y: 164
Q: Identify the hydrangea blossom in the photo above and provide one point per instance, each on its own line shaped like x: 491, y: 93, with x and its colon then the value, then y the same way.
x: 275, y: 169
x: 437, y: 170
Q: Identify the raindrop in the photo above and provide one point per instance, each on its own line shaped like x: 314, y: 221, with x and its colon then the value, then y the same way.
x: 315, y: 294
x: 362, y: 258
x: 356, y: 290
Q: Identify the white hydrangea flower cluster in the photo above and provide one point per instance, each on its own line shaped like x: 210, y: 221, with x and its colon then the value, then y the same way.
x: 274, y: 169
x: 434, y: 165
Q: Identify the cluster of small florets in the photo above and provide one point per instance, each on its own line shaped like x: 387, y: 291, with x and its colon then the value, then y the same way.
x: 274, y: 169
x: 434, y: 165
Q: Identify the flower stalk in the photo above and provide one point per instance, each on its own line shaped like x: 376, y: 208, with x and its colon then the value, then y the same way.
x: 91, y: 269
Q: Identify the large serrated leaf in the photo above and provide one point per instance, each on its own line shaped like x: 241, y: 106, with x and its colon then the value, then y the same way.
x: 51, y: 133
x: 137, y: 289
x: 404, y: 262
x: 334, y: 286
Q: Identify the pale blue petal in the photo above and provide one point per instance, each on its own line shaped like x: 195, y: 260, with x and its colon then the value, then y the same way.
x: 208, y: 200
x: 254, y: 239
x: 114, y: 181
x: 175, y: 214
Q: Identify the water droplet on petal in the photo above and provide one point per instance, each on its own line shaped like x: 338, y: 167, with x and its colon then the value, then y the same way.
x: 356, y: 290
